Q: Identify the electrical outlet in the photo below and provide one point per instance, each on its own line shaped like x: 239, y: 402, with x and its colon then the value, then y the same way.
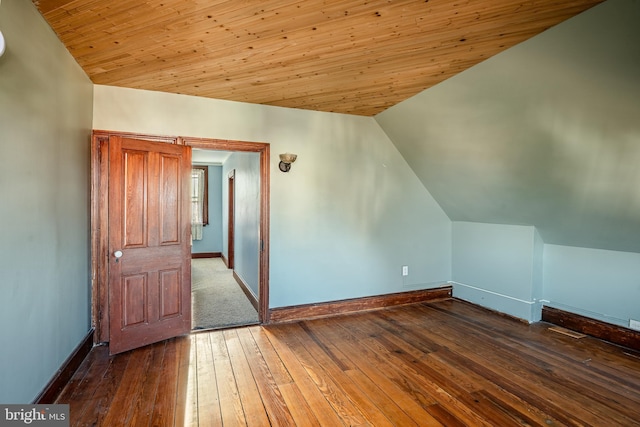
x: 634, y: 324
x: 405, y: 270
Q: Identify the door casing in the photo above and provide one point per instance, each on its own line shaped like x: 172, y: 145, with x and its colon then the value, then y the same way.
x: 231, y: 219
x: 100, y: 217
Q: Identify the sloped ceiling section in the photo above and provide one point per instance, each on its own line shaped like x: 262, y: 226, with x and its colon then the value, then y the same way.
x: 348, y: 56
x: 544, y: 134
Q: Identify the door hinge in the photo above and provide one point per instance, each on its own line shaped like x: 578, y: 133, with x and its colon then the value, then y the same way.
x: 261, y: 245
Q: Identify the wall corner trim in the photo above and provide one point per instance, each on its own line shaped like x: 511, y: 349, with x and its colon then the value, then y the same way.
x: 516, y: 307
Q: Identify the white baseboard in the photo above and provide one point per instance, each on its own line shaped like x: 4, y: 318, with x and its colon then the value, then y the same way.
x: 530, y: 311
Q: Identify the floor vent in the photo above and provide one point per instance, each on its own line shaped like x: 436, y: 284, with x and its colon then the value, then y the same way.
x: 567, y: 332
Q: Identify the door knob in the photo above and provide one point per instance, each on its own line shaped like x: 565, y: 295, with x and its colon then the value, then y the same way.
x: 117, y: 254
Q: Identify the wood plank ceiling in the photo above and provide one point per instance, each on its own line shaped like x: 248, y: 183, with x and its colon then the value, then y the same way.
x: 357, y: 57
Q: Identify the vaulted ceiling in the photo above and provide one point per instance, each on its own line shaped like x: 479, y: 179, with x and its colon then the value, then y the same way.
x: 357, y: 57
x: 544, y: 134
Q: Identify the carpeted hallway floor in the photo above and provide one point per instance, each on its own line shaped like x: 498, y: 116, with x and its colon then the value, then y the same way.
x: 217, y: 301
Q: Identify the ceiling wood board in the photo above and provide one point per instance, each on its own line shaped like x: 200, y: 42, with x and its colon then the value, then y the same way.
x: 355, y: 57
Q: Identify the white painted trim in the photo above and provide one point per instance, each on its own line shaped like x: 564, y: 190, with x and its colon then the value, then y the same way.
x: 529, y: 311
x: 493, y: 293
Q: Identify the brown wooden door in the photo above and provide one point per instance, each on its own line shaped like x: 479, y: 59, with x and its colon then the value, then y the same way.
x: 149, y: 242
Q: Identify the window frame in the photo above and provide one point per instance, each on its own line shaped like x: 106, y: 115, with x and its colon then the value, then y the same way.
x: 205, y: 201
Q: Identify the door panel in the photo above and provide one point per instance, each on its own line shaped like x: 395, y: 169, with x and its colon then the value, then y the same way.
x: 134, y: 300
x: 170, y: 293
x: 135, y: 209
x: 149, y: 222
x: 169, y: 206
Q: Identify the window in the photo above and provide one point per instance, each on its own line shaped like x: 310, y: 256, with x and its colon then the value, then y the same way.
x: 199, y: 200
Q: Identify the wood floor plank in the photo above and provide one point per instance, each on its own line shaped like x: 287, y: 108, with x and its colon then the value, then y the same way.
x: 516, y: 409
x: 230, y: 403
x: 513, y: 371
x: 315, y: 398
x: 208, y: 401
x: 409, y: 348
x: 253, y: 407
x: 187, y: 384
x: 298, y: 407
x: 84, y: 383
x: 568, y: 362
x: 440, y: 393
x: 123, y: 404
x: 538, y: 371
x: 466, y: 353
x: 316, y: 352
x: 445, y: 417
x: 190, y: 384
x: 364, y: 385
x: 332, y: 391
x: 150, y: 381
x: 275, y: 407
x: 164, y: 407
x: 75, y: 383
x: 449, y: 394
x: 278, y: 370
x: 401, y: 389
x: 394, y: 413
x: 96, y: 404
x: 566, y: 351
x: 461, y: 382
x: 438, y: 363
x: 525, y: 410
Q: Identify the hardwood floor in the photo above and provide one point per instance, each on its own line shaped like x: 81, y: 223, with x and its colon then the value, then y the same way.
x: 442, y: 363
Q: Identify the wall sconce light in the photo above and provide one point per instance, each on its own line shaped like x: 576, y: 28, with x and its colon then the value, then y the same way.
x: 285, y: 161
x: 2, y: 44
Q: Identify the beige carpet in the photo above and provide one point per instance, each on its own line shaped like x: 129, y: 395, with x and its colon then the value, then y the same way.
x: 217, y: 301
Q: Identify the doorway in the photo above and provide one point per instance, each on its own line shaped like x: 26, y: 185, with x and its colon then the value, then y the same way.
x: 224, y: 287
x: 101, y: 310
x: 218, y: 299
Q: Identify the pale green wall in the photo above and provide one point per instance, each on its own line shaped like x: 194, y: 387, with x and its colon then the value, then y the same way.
x: 544, y: 134
x: 247, y: 216
x: 343, y: 221
x: 45, y: 125
x: 596, y: 283
x: 212, y: 233
x: 497, y: 266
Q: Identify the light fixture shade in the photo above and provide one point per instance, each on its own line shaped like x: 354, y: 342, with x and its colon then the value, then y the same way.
x: 2, y: 44
x: 288, y: 157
